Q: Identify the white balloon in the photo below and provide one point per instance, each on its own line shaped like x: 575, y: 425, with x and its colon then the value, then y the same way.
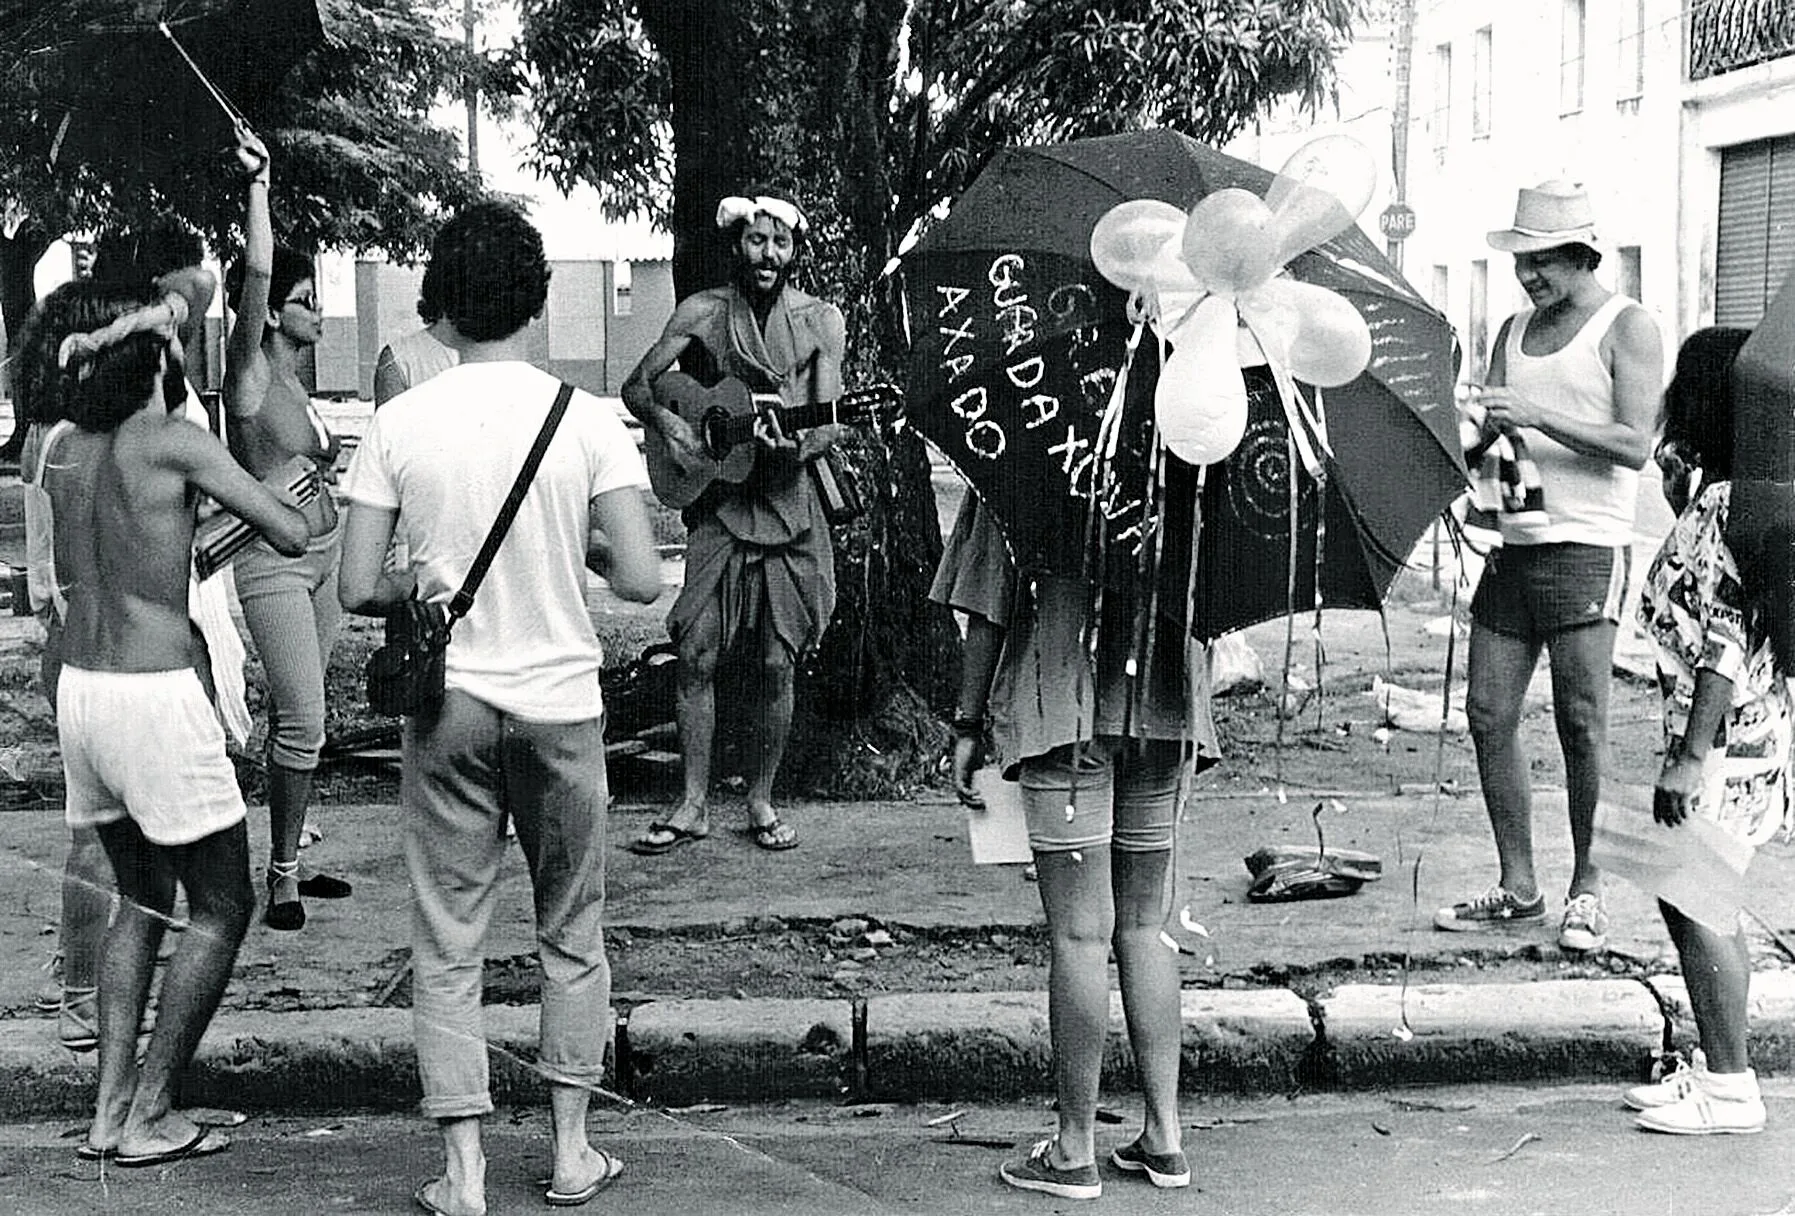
x: 1229, y: 243
x: 1330, y: 343
x: 1200, y: 403
x: 1319, y: 192
x: 1129, y: 239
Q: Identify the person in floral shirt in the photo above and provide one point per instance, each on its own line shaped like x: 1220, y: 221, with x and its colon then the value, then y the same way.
x: 1727, y: 725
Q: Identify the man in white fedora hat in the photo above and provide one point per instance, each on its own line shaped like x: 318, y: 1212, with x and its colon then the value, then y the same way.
x: 1573, y: 386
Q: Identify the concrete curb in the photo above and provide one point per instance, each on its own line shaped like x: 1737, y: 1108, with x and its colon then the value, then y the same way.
x: 948, y: 1046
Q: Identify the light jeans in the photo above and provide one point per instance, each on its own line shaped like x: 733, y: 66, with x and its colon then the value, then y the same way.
x: 467, y: 769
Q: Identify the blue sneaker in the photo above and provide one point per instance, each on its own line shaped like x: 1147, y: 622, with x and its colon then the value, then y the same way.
x: 1496, y: 907
x: 1036, y: 1172
x: 1162, y: 1169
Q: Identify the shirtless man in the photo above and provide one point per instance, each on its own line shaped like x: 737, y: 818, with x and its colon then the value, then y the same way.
x: 143, y: 751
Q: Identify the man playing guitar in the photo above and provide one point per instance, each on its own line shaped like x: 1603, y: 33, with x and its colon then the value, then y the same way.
x: 760, y: 566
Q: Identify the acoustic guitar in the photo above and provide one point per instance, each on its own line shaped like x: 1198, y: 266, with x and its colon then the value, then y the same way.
x: 724, y: 417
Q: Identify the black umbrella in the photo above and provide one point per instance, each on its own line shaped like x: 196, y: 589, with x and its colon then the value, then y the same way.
x: 1017, y: 343
x: 157, y: 83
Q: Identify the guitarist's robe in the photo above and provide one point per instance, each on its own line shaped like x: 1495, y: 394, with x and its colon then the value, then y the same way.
x: 765, y: 537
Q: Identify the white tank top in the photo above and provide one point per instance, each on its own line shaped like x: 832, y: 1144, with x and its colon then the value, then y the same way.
x: 1589, y: 500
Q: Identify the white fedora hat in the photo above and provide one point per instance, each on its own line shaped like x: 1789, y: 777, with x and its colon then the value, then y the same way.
x: 1548, y: 215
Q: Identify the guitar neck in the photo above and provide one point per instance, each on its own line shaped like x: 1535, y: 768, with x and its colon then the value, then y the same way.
x: 740, y: 429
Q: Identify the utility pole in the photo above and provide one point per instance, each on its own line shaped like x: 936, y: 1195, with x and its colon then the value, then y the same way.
x: 470, y: 91
x: 1399, y: 113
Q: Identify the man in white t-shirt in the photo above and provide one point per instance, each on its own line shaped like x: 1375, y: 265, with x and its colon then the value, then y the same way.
x: 518, y: 734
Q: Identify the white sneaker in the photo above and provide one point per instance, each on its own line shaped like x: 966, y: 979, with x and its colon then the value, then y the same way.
x: 1671, y: 1088
x: 1705, y: 1113
x: 1585, y: 924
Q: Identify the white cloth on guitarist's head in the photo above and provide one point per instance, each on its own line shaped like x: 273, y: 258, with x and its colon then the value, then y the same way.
x: 736, y: 209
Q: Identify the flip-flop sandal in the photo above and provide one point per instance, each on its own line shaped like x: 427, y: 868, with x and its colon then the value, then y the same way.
x: 774, y: 837
x: 970, y: 799
x: 675, y: 837
x: 573, y: 1199
x: 205, y: 1142
x: 424, y: 1202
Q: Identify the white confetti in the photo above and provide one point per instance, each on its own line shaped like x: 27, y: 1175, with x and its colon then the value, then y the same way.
x: 1077, y: 856
x: 1339, y: 806
x: 1131, y: 668
x: 1190, y: 923
x: 1403, y: 1033
x: 1169, y: 941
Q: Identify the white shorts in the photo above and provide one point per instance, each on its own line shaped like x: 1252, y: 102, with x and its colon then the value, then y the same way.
x: 148, y: 745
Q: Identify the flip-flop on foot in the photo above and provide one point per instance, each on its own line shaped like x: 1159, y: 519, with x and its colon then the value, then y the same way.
x: 775, y: 837
x: 671, y: 838
x: 205, y: 1142
x: 573, y: 1199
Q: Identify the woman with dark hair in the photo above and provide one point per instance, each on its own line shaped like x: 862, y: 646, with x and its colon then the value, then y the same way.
x: 289, y: 603
x: 1727, y: 728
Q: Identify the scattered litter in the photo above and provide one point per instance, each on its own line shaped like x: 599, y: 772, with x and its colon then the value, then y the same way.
x: 1190, y: 923
x: 876, y: 937
x: 1402, y: 1034
x: 1440, y: 626
x: 1517, y: 1146
x: 1380, y: 1129
x: 697, y: 1108
x: 1411, y: 1104
x: 1106, y: 1115
x: 950, y: 1118
x: 1419, y: 712
x: 1381, y: 736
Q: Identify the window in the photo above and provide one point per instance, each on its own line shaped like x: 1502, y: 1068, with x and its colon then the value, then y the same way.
x: 1627, y: 277
x: 1442, y: 114
x: 1481, y: 98
x: 1570, y: 57
x: 1477, y: 333
x: 621, y: 279
x: 1440, y: 296
x: 1629, y: 76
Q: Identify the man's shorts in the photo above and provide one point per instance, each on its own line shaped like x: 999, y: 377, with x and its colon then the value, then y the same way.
x: 148, y: 745
x: 1534, y: 591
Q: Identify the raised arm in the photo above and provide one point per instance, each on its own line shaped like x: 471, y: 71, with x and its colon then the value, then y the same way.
x: 245, y: 372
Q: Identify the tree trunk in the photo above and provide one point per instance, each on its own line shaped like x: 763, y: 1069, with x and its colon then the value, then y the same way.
x: 18, y: 264
x: 789, y: 93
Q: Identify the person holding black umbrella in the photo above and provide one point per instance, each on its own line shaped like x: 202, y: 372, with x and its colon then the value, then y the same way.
x: 1574, y: 384
x: 289, y: 603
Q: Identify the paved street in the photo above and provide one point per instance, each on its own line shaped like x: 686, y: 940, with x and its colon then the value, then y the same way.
x: 1416, y: 1152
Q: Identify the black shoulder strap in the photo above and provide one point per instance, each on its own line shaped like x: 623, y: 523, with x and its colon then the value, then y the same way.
x: 464, y: 598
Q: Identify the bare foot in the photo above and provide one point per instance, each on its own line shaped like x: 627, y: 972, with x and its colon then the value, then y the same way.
x: 439, y: 1198
x: 582, y: 1177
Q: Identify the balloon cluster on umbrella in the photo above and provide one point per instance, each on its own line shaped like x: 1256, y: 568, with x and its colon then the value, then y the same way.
x: 1210, y: 284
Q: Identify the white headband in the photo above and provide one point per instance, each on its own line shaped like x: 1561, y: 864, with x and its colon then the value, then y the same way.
x: 736, y: 208
x: 165, y: 318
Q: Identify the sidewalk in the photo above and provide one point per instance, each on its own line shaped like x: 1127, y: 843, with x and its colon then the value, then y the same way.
x: 303, y: 1026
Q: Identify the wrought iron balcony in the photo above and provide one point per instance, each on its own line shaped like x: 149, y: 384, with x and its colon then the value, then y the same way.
x: 1725, y: 35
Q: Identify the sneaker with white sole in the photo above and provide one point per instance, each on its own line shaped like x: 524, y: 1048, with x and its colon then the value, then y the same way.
x: 1718, y: 1105
x: 1496, y: 907
x: 1671, y: 1088
x: 1584, y: 928
x: 1162, y: 1169
x: 1036, y: 1172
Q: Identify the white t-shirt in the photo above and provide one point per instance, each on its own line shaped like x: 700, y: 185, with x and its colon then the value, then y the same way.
x: 444, y: 454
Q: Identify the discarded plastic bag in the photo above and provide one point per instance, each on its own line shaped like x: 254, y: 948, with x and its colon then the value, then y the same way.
x: 1234, y: 666
x: 1347, y: 863
x: 1300, y: 878
x: 1407, y: 709
x: 1696, y: 867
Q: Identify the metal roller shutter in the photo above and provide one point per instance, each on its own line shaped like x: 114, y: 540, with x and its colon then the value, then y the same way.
x: 1755, y: 249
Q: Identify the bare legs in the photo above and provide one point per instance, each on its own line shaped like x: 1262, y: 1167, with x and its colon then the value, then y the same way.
x: 1501, y: 667
x: 696, y: 709
x: 1717, y: 972
x: 134, y: 1112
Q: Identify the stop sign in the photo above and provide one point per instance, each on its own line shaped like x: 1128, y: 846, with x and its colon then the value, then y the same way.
x: 1397, y: 221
